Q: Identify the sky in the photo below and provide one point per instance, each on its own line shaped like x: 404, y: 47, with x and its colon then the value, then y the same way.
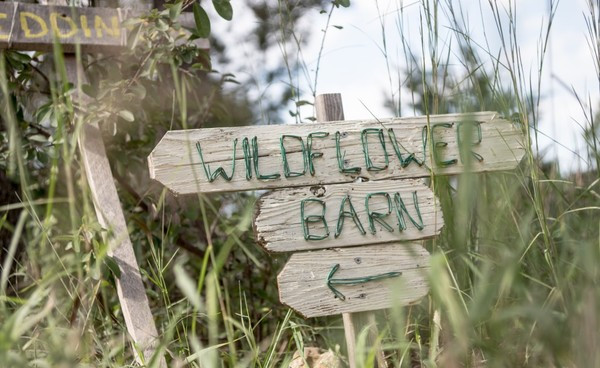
x: 353, y: 63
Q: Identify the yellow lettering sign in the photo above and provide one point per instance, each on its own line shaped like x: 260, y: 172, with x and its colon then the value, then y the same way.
x: 3, y: 36
x: 54, y: 17
x: 100, y: 26
x: 84, y: 26
x: 24, y: 16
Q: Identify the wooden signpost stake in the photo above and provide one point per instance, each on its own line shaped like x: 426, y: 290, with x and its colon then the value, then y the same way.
x: 130, y: 288
x: 338, y: 200
x: 329, y: 107
x: 34, y: 27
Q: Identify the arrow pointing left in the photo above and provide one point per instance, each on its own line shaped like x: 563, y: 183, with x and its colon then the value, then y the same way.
x: 367, y: 278
x: 354, y: 280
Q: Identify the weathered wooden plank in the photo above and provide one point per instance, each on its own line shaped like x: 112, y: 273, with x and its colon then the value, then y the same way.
x: 303, y: 282
x: 34, y: 27
x: 176, y: 162
x: 130, y: 288
x: 279, y: 224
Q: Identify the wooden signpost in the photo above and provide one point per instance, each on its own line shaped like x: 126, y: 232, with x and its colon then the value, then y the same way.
x: 36, y: 27
x: 337, y: 183
x: 336, y: 187
x: 130, y: 288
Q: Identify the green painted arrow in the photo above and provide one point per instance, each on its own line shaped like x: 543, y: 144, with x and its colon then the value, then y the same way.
x: 353, y: 281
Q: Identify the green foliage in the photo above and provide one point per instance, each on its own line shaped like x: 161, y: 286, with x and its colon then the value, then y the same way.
x: 224, y: 8
x: 514, y: 275
x: 202, y: 21
x: 344, y: 3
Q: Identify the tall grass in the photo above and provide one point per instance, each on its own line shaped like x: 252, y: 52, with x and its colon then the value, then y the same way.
x: 512, y: 273
x: 514, y: 276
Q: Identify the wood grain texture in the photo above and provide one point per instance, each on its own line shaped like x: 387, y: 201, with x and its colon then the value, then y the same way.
x: 303, y: 286
x: 176, y: 163
x: 278, y: 226
x: 35, y: 27
x: 329, y: 107
x: 130, y: 289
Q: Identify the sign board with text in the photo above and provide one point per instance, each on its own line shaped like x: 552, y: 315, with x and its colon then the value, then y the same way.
x: 36, y: 27
x: 336, y: 281
x: 279, y: 156
x: 349, y: 187
x: 346, y: 215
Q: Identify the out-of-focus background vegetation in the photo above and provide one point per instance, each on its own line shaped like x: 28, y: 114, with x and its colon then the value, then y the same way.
x: 515, y: 274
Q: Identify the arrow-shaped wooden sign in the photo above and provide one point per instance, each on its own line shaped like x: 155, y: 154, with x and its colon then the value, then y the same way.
x: 279, y: 156
x: 344, y: 215
x: 336, y: 281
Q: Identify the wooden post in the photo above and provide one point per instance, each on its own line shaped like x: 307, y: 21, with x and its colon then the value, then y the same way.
x: 131, y: 291
x: 329, y: 107
x: 350, y: 338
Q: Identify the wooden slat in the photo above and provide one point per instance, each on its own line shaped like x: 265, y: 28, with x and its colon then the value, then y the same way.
x: 130, y: 288
x: 175, y: 161
x: 278, y: 225
x: 303, y: 280
x: 34, y: 27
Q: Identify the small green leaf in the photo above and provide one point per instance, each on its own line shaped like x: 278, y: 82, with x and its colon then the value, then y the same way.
x: 162, y: 25
x: 344, y: 3
x: 302, y: 103
x: 43, y: 113
x: 112, y: 266
x: 126, y: 115
x: 130, y: 22
x: 223, y: 7
x: 38, y: 138
x: 175, y: 10
x: 88, y: 90
x: 202, y: 21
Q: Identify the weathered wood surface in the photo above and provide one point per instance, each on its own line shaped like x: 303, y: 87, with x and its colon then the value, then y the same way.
x: 130, y: 288
x: 175, y: 161
x: 35, y: 27
x: 278, y: 221
x: 303, y: 280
